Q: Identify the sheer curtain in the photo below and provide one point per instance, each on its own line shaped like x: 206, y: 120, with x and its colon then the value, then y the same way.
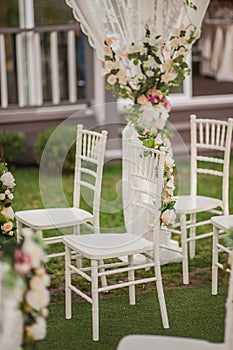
x: 101, y: 18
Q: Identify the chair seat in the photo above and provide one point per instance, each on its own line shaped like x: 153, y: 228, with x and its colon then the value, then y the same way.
x: 151, y: 342
x: 193, y: 204
x: 42, y: 219
x: 107, y: 245
x: 224, y: 222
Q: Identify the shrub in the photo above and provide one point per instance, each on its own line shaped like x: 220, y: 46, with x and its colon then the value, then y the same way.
x: 55, y: 148
x: 12, y: 146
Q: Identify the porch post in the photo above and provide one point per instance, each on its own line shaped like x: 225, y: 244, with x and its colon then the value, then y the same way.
x: 26, y: 21
x: 99, y: 91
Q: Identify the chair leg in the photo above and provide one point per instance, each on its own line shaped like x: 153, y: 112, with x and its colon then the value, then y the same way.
x: 95, y: 300
x: 161, y: 298
x: 39, y: 233
x: 192, y: 234
x: 184, y: 246
x: 131, y: 278
x: 19, y: 228
x: 215, y: 261
x: 79, y: 262
x: 68, y: 283
x: 103, y: 278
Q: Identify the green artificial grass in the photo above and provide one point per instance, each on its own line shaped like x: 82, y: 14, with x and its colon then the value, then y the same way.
x: 193, y: 313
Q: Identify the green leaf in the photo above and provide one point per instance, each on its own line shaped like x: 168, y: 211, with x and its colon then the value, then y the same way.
x: 149, y: 143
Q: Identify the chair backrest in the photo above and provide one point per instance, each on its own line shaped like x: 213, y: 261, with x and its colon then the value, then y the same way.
x: 211, y: 144
x: 145, y: 186
x: 89, y: 162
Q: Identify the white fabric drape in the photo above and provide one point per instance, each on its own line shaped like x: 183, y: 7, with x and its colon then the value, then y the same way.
x: 101, y: 18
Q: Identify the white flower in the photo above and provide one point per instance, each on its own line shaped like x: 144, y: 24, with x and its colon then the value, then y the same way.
x: 38, y: 329
x: 8, y: 179
x: 168, y: 217
x: 149, y: 73
x: 150, y: 62
x: 10, y: 196
x: 37, y: 299
x: 34, y: 251
x: 8, y: 212
x: 169, y: 161
x: 37, y: 283
x: 167, y: 77
x: 152, y: 41
x: 2, y: 196
x: 154, y: 117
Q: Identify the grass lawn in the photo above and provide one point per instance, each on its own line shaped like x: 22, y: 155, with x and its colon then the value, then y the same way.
x: 192, y: 310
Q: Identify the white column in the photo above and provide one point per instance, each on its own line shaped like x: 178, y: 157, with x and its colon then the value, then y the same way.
x: 54, y: 68
x: 26, y: 21
x: 3, y: 76
x: 99, y: 90
x: 72, y: 74
x: 21, y: 76
x: 38, y: 70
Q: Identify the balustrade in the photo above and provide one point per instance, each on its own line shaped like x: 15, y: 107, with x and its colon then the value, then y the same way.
x: 39, y: 66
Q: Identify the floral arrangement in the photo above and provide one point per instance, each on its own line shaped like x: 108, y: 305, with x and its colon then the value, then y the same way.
x: 144, y: 72
x: 27, y: 259
x: 7, y: 184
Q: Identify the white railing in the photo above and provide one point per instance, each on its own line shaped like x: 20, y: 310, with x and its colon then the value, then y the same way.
x: 38, y: 66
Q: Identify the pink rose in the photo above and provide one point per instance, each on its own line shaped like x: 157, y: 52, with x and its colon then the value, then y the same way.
x: 166, y: 103
x: 142, y: 100
x: 7, y: 226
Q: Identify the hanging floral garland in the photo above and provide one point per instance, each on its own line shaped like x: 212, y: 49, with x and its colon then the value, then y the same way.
x: 26, y: 279
x: 7, y: 184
